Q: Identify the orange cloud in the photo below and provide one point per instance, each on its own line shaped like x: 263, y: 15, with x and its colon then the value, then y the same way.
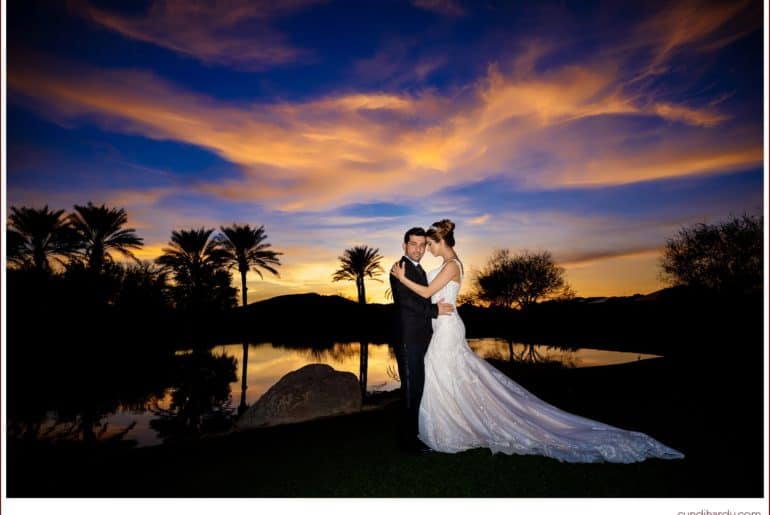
x: 479, y: 220
x: 684, y: 114
x: 588, y: 259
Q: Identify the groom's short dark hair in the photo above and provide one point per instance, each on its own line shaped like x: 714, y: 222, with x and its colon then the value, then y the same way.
x: 416, y: 231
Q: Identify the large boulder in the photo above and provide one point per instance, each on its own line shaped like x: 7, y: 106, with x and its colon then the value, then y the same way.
x: 312, y: 391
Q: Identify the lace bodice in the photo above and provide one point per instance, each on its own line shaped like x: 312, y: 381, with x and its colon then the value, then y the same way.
x: 451, y: 289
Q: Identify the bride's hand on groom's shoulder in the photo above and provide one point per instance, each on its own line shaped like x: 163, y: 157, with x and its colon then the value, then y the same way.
x: 398, y: 270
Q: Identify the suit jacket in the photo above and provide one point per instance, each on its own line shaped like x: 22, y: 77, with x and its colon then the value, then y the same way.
x: 412, y: 321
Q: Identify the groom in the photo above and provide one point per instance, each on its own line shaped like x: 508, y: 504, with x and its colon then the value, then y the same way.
x: 412, y: 331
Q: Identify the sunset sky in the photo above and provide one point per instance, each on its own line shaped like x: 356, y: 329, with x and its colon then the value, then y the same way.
x: 593, y: 130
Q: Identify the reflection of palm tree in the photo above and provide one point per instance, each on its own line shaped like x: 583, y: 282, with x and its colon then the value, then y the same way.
x: 356, y: 264
x: 201, y: 395
x: 244, y: 381
x: 100, y: 230
x: 338, y: 353
x: 363, y: 366
x: 245, y: 249
x: 35, y: 236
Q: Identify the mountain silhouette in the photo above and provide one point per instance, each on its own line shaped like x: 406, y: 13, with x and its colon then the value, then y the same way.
x: 640, y: 322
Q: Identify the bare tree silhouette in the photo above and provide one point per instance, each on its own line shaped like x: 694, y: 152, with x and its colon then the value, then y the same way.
x: 723, y: 257
x: 520, y: 280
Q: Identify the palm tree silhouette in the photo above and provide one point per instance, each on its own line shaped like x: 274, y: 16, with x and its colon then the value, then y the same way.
x: 245, y: 249
x: 194, y: 257
x: 35, y: 236
x: 100, y: 230
x: 356, y: 264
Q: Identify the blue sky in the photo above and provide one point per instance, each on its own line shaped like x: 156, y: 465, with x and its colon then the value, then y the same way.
x: 593, y: 130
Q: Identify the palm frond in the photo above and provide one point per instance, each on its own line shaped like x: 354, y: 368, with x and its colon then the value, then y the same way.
x: 100, y: 230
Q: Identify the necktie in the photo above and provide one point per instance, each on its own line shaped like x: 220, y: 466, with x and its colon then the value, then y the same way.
x: 421, y: 273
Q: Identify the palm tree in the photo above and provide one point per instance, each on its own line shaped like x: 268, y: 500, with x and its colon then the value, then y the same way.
x: 245, y: 249
x: 100, y: 230
x: 195, y: 258
x: 35, y: 236
x: 357, y: 263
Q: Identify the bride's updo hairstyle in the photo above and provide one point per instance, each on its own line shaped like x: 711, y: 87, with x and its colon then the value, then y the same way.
x: 442, y: 230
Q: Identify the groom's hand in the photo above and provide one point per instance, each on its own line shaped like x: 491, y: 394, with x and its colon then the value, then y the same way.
x: 444, y: 308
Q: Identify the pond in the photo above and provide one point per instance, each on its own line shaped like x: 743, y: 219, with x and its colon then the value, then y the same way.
x: 207, y: 388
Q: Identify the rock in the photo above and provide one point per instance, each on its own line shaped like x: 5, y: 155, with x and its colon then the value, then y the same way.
x: 312, y: 391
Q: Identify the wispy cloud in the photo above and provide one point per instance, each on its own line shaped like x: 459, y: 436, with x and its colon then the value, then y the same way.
x: 443, y: 7
x: 687, y: 26
x: 399, y: 62
x: 234, y: 33
x: 691, y: 22
x: 479, y: 220
x: 589, y: 258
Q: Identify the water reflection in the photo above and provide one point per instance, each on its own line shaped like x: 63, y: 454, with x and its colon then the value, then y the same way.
x: 266, y: 363
x: 74, y: 394
x: 200, y: 400
x: 507, y: 350
x: 190, y: 393
x: 244, y: 379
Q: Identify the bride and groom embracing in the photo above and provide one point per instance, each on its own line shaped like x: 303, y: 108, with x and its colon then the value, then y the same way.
x: 453, y: 400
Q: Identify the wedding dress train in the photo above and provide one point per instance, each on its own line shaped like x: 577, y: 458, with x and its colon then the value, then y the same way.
x: 468, y: 403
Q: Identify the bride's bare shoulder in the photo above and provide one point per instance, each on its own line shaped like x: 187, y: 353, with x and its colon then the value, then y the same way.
x: 454, y: 265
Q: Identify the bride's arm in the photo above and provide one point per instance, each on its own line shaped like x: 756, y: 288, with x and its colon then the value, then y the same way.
x: 443, y: 277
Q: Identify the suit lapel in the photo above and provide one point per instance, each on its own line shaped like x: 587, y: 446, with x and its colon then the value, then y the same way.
x: 413, y: 273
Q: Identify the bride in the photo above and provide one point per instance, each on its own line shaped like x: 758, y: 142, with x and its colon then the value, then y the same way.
x: 468, y: 403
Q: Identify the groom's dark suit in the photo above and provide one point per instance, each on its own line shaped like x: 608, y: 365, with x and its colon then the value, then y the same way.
x: 412, y: 330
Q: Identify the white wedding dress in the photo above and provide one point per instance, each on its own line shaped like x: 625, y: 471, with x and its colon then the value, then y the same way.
x: 468, y: 403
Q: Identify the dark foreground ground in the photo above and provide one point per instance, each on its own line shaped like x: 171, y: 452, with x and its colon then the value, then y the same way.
x: 709, y: 407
